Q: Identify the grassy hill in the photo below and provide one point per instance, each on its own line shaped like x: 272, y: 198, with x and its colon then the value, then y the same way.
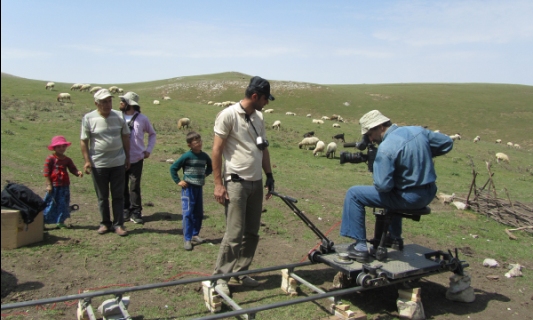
x: 30, y: 116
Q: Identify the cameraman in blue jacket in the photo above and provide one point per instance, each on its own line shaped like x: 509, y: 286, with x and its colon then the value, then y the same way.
x: 404, y: 178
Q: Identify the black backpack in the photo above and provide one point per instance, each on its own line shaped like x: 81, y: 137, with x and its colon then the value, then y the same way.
x: 19, y: 197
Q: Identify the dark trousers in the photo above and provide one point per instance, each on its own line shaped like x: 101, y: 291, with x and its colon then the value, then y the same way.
x: 105, y: 180
x: 132, y: 188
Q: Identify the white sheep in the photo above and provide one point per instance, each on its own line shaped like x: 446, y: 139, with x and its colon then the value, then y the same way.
x: 226, y: 104
x: 446, y: 198
x: 184, y: 122
x: 113, y: 89
x: 320, y: 146
x: 308, y: 115
x: 325, y: 118
x: 331, y: 149
x: 276, y: 124
x: 156, y: 102
x: 498, y: 140
x: 509, y: 144
x: 94, y: 89
x: 318, y: 121
x: 210, y: 102
x: 455, y: 137
x: 120, y: 90
x: 76, y: 86
x: 166, y: 98
x: 516, y: 146
x: 340, y: 119
x: 336, y: 125
x: 459, y: 205
x: 290, y: 113
x: 502, y: 156
x: 477, y: 138
x: 309, y: 141
x: 50, y: 85
x: 269, y: 111
x: 85, y: 87
x: 63, y: 96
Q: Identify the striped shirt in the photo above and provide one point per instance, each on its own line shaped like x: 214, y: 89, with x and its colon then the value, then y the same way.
x: 196, y: 166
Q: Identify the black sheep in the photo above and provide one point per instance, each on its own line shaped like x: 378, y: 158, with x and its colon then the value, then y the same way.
x: 339, y: 136
x: 309, y: 134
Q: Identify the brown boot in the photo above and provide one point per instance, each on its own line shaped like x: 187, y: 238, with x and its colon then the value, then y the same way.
x: 121, y: 231
x: 103, y: 229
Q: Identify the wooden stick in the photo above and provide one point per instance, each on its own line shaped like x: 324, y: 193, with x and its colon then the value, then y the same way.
x: 511, y: 236
x: 474, y: 173
x: 521, y: 228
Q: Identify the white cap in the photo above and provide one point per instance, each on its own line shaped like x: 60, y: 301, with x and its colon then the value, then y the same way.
x: 102, y: 94
x: 371, y: 120
x: 132, y: 99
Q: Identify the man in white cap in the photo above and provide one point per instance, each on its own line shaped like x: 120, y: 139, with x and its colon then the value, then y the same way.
x: 139, y: 125
x: 105, y: 145
x: 404, y: 178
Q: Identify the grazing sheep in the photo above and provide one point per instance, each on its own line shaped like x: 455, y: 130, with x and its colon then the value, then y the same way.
x: 50, y: 85
x: 459, y: 205
x: 498, y: 140
x: 290, y: 113
x: 156, y: 102
x: 502, y: 156
x: 516, y: 146
x: 85, y: 87
x: 339, y: 136
x: 336, y: 125
x: 309, y: 141
x: 320, y: 146
x: 94, y: 89
x: 477, y: 138
x: 166, y: 98
x: 309, y: 134
x: 210, y: 102
x: 331, y: 149
x: 308, y: 115
x: 218, y: 104
x: 113, y: 89
x: 276, y: 124
x: 445, y: 198
x: 269, y: 111
x: 120, y: 90
x: 76, y: 86
x: 334, y: 117
x: 340, y: 119
x: 510, y: 144
x: 455, y: 137
x: 63, y: 96
x: 318, y: 121
x: 325, y: 118
x: 184, y: 122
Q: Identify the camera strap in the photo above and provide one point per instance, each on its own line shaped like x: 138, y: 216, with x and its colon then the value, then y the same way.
x: 249, y: 121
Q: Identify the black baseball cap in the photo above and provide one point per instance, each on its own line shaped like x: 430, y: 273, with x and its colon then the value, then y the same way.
x: 261, y: 85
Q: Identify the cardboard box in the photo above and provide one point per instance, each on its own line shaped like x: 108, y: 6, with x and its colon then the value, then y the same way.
x: 14, y: 232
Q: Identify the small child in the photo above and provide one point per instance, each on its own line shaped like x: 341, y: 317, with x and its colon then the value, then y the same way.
x: 196, y: 166
x: 57, y: 182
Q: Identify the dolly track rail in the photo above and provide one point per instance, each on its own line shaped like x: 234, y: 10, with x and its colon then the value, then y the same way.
x: 145, y: 287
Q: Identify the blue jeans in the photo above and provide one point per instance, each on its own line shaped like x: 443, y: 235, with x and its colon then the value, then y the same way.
x: 192, y: 204
x: 105, y: 180
x: 358, y: 197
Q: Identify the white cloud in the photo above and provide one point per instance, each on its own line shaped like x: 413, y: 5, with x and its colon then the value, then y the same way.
x: 21, y: 54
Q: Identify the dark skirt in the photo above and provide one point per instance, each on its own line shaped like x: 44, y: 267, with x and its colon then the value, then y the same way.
x: 57, y: 205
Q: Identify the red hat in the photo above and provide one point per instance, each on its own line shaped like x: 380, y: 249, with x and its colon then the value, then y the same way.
x: 58, y: 141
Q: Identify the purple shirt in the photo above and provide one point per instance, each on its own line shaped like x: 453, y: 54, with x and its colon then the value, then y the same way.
x: 141, y: 125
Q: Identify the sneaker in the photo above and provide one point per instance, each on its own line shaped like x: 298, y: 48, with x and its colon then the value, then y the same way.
x: 103, y: 229
x: 245, y: 281
x: 222, y: 286
x: 121, y: 231
x: 187, y: 246
x: 127, y: 214
x: 357, y: 255
x: 197, y: 240
x: 136, y: 219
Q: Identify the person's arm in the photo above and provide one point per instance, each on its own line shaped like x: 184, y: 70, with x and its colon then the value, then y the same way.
x: 151, y: 138
x: 72, y: 168
x: 46, y: 172
x: 439, y: 143
x: 216, y: 157
x: 85, y: 153
x: 126, y: 146
x: 383, y: 174
x: 209, y: 165
x: 269, y: 184
x: 175, y: 168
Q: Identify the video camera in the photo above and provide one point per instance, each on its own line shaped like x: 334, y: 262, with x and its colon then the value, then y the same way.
x: 359, y: 157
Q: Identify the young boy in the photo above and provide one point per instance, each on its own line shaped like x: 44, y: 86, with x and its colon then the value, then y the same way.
x: 196, y: 166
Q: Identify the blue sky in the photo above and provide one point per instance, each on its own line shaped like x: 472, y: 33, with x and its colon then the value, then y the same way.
x: 324, y: 42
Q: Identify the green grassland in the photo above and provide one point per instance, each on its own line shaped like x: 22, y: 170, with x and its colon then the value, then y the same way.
x: 30, y: 116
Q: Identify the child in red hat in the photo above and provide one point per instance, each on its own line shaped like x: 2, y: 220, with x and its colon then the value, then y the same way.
x: 58, y: 191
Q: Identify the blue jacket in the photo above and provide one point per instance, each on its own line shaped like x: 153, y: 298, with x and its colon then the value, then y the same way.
x: 404, y: 157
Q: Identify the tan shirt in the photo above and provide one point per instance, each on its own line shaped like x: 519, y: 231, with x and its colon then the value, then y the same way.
x: 241, y: 154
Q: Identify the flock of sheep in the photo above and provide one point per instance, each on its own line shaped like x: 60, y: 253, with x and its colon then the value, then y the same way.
x: 500, y: 156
